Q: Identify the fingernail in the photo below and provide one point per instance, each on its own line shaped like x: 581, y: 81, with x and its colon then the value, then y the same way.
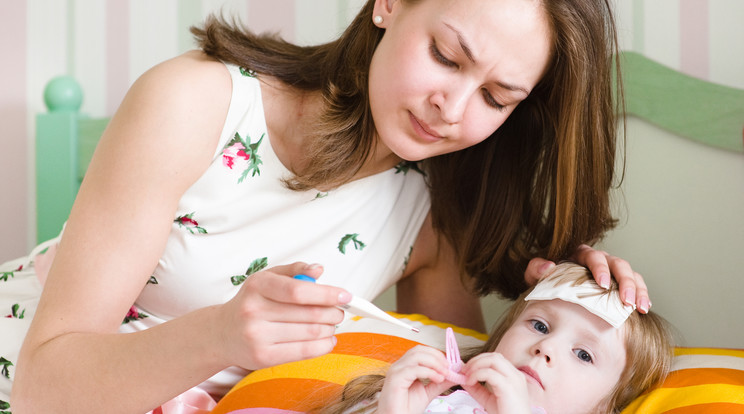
x: 546, y: 268
x: 630, y: 297
x: 604, y: 280
x: 645, y: 305
x: 344, y: 297
x: 313, y: 266
x: 334, y: 340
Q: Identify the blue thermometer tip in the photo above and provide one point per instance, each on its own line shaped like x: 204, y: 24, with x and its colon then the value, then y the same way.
x: 305, y: 278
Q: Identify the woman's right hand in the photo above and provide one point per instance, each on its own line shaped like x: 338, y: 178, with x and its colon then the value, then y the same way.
x: 275, y: 319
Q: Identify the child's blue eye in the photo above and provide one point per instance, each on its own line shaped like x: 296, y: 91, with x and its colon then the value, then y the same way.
x: 540, y: 327
x: 583, y: 355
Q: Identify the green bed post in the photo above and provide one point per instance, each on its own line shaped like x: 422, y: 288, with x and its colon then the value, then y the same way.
x: 56, y: 156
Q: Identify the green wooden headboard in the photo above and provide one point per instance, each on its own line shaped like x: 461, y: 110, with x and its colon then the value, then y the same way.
x: 65, y: 141
x: 692, y: 108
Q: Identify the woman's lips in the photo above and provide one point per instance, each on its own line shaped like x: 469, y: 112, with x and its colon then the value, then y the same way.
x: 423, y: 130
x: 532, y: 375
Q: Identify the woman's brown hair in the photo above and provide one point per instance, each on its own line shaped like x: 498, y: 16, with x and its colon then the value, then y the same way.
x: 538, y: 186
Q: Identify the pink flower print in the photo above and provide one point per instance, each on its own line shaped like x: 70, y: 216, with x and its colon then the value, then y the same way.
x: 241, y: 155
x: 235, y: 154
x: 132, y: 315
x: 187, y: 221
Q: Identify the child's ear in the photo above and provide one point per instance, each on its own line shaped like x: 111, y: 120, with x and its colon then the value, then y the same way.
x: 383, y: 12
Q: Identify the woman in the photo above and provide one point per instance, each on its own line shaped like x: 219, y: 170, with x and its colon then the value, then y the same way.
x: 210, y: 186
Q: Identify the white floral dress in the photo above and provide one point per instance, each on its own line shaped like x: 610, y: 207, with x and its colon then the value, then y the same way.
x: 238, y: 218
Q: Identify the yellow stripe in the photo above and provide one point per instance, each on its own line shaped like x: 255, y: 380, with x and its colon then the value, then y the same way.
x: 709, y: 351
x: 415, y: 317
x: 665, y: 399
x: 335, y: 368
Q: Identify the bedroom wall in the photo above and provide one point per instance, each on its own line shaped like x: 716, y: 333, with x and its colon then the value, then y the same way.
x: 681, y: 206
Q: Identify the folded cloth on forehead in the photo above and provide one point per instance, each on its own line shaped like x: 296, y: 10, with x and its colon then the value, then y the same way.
x: 604, y: 303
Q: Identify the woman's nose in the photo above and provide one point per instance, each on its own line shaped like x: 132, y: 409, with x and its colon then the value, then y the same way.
x: 451, y: 103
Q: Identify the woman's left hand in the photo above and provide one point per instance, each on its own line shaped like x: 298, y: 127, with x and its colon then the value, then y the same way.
x: 633, y: 290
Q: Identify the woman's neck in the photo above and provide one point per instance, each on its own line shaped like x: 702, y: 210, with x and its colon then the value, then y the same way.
x: 291, y: 113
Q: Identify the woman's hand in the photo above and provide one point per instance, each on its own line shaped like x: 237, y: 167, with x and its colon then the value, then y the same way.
x: 405, y: 390
x: 633, y: 290
x: 275, y: 319
x: 496, y: 384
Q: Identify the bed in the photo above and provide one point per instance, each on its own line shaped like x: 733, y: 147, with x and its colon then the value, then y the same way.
x: 709, y: 379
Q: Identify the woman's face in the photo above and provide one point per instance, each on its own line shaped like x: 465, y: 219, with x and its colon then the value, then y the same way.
x: 447, y: 73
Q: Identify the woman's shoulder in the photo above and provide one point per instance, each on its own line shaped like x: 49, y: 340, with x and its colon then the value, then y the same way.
x: 193, y: 76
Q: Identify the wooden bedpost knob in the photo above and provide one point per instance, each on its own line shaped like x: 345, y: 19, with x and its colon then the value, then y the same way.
x: 63, y: 93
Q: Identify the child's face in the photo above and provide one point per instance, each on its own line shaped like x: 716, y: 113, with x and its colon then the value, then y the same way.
x: 447, y: 73
x: 570, y: 357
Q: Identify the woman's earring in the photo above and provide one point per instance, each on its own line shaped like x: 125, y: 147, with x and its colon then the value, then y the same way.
x: 377, y: 19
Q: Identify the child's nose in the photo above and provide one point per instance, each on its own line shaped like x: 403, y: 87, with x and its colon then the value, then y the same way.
x: 540, y: 353
x: 545, y: 348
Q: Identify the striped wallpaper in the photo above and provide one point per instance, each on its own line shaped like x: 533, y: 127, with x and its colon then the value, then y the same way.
x: 106, y: 45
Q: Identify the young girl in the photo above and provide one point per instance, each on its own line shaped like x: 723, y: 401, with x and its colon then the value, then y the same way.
x: 566, y: 346
x: 227, y: 170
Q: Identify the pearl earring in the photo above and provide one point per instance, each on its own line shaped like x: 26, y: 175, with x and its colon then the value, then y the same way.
x: 377, y: 19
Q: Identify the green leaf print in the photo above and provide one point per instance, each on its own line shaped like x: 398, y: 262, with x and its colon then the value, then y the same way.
x: 255, y: 266
x: 5, y: 367
x: 247, y: 72
x: 349, y: 238
x: 406, y: 166
x: 152, y: 281
x: 4, y: 405
x: 15, y: 313
x: 406, y: 260
x: 6, y: 275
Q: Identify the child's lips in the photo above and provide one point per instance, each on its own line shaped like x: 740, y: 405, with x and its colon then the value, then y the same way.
x: 532, y: 375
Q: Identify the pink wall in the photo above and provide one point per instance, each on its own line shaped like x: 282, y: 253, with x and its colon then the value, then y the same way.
x: 13, y: 131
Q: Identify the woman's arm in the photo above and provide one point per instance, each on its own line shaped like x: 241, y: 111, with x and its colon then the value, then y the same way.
x: 433, y: 285
x: 160, y: 141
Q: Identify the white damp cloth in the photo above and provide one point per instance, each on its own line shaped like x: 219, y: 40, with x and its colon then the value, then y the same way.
x: 595, y: 299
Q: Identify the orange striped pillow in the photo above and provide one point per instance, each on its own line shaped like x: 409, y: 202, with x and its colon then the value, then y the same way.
x: 703, y: 380
x: 364, y: 346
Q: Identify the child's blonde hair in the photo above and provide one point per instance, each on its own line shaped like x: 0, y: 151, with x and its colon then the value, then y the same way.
x: 648, y: 345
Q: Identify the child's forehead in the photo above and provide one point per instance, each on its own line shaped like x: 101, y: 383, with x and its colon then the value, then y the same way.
x: 568, y: 312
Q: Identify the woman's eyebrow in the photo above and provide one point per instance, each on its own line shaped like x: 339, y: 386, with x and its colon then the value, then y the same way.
x: 468, y: 51
x: 463, y: 44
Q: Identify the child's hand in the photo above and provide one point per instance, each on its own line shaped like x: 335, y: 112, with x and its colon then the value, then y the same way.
x: 505, y: 388
x: 413, y: 381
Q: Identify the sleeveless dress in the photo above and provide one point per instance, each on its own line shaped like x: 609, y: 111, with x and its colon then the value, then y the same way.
x: 238, y: 218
